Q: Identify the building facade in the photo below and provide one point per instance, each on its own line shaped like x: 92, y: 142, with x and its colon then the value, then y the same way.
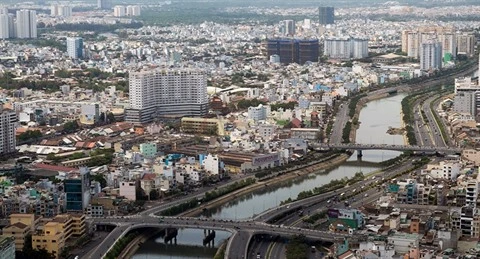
x: 8, y: 122
x: 326, y: 15
x: 346, y: 48
x: 75, y: 47
x: 412, y: 40
x: 77, y: 190
x: 294, y: 50
x: 26, y: 24
x: 431, y: 55
x: 175, y: 92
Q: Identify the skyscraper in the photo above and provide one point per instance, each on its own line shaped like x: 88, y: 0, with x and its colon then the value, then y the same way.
x: 412, y: 40
x: 4, y: 26
x: 104, y: 4
x: 326, y: 15
x: 176, y: 92
x: 293, y: 50
x: 75, y: 47
x: 287, y: 27
x: 346, y: 48
x: 8, y: 120
x: 431, y: 55
x: 26, y: 24
x: 77, y: 190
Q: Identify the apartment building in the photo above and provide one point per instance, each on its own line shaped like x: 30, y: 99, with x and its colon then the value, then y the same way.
x: 8, y: 121
x: 173, y: 92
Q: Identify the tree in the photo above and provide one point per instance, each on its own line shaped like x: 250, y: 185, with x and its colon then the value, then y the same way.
x: 101, y: 179
x: 70, y: 127
x: 110, y: 117
x: 154, y: 195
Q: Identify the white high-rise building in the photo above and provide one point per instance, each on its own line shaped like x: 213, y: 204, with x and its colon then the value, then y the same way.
x: 346, y: 48
x: 133, y: 10
x: 4, y: 26
x: 119, y: 11
x: 8, y: 121
x: 431, y: 55
x: 75, y: 47
x: 288, y: 27
x: 176, y: 92
x: 61, y: 10
x: 412, y: 40
x: 26, y: 24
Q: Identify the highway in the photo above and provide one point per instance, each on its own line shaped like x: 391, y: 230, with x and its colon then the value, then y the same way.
x: 311, y: 207
x: 248, y: 228
x: 341, y: 119
x: 436, y: 134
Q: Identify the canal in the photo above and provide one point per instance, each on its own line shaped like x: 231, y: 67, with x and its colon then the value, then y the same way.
x: 376, y: 117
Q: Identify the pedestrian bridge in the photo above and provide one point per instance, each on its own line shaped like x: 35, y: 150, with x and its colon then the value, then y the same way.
x: 360, y: 147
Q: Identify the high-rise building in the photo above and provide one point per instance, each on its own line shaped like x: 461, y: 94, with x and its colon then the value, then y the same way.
x: 119, y: 11
x: 467, y: 97
x: 4, y: 26
x: 294, y: 50
x: 26, y: 24
x: 77, y: 190
x: 431, y: 55
x: 446, y: 36
x: 133, y: 10
x: 326, y: 15
x: 104, y: 4
x: 175, y: 92
x: 8, y: 121
x: 61, y: 10
x: 346, y: 48
x: 287, y: 27
x: 75, y: 47
x: 466, y: 43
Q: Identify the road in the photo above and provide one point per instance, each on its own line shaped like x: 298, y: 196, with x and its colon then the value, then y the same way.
x: 341, y: 119
x: 277, y: 249
x: 246, y: 228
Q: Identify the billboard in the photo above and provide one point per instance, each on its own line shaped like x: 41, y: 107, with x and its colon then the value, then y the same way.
x: 265, y: 159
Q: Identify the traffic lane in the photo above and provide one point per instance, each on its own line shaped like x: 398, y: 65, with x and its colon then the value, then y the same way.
x: 198, y: 194
x: 315, y: 199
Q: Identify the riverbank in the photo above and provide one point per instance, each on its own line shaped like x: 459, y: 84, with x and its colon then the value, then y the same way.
x: 361, y: 103
x: 341, y: 158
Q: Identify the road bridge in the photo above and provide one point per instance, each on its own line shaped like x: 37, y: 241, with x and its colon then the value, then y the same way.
x: 245, y: 228
x: 360, y: 147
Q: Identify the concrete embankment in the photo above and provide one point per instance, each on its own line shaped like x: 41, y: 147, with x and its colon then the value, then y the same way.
x: 130, y: 250
x: 271, y: 182
x: 133, y: 246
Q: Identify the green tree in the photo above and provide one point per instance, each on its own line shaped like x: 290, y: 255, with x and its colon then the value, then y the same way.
x: 154, y: 194
x: 70, y: 127
x: 101, y: 179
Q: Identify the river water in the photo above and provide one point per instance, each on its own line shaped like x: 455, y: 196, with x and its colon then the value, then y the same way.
x: 376, y: 117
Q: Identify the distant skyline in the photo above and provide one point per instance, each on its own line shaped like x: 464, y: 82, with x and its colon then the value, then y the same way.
x: 334, y: 3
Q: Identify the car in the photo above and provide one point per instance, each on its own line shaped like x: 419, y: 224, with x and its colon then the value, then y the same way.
x: 288, y: 206
x: 366, y: 194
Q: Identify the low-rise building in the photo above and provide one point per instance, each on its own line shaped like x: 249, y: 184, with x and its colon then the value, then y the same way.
x: 51, y: 238
x: 205, y: 126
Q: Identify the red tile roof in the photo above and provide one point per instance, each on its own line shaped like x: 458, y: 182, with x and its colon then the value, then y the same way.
x: 55, y: 167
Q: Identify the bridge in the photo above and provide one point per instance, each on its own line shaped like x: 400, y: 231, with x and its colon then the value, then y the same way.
x: 360, y: 147
x: 242, y: 230
x: 245, y: 229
